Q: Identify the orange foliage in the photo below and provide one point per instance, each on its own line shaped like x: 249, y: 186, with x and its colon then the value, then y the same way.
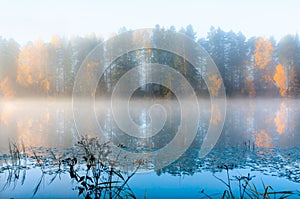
x: 46, y: 84
x: 281, y: 118
x: 218, y: 115
x: 56, y: 41
x: 215, y: 85
x: 7, y: 88
x: 263, y: 139
x: 32, y: 66
x: 263, y: 52
x: 280, y: 79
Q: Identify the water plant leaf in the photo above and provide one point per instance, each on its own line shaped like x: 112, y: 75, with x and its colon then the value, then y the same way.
x: 80, y: 190
x: 89, y: 178
x: 118, y: 174
x: 81, y: 179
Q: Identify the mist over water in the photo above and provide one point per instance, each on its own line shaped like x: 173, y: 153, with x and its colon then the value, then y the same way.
x: 265, y: 123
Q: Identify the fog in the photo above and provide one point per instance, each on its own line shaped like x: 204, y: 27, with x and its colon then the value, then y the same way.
x: 266, y: 123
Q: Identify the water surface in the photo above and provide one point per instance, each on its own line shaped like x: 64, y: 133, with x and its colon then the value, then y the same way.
x: 260, y: 137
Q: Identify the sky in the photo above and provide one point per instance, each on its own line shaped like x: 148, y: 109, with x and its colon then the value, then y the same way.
x: 28, y: 20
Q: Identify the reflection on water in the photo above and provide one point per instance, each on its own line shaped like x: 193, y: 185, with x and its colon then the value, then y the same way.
x: 259, y: 135
x: 266, y: 124
x: 37, y: 123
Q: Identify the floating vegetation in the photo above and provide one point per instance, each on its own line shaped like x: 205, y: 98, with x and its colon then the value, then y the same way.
x: 87, y: 164
x: 94, y: 170
x: 284, y: 163
x: 248, y: 189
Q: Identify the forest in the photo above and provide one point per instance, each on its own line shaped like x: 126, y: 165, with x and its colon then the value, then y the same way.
x: 250, y: 67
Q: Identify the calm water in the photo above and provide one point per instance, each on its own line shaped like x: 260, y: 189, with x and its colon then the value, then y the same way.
x: 260, y: 137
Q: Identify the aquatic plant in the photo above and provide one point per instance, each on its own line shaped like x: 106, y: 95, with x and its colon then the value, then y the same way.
x: 93, y: 174
x: 102, y: 178
x: 248, y: 189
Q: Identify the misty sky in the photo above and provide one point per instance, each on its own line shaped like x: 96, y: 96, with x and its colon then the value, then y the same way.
x: 26, y: 20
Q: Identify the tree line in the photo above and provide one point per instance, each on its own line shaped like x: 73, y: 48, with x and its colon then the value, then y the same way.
x: 255, y: 66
